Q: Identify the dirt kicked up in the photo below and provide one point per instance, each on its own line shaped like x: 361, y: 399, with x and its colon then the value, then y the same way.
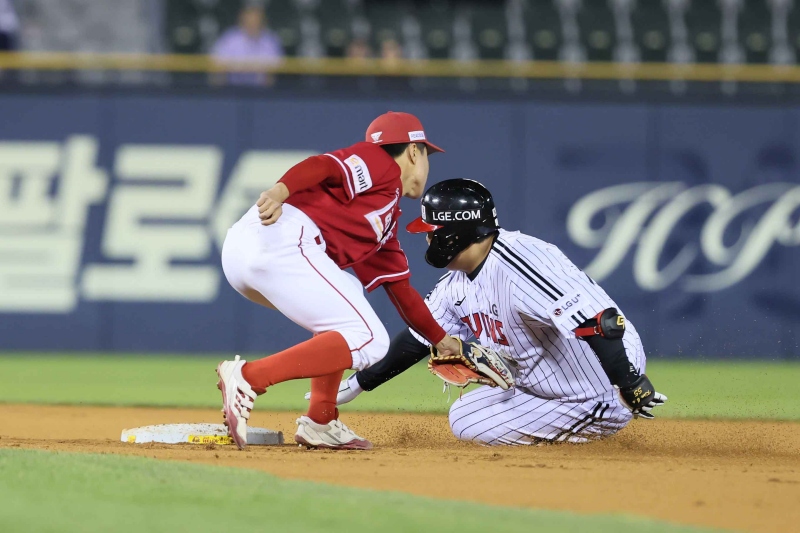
x: 742, y: 475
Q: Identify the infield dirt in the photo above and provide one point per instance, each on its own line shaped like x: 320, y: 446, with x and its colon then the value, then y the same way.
x: 742, y: 475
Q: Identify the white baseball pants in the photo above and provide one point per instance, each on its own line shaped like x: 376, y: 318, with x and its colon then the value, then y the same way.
x: 491, y: 416
x: 284, y: 266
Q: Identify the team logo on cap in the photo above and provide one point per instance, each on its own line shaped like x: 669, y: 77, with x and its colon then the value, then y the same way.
x: 376, y: 137
x: 416, y: 136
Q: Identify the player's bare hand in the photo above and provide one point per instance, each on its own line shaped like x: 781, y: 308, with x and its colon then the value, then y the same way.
x: 270, y: 202
x: 449, y: 346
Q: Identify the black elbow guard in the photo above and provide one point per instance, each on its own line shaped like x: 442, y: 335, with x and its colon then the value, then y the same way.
x: 607, y: 323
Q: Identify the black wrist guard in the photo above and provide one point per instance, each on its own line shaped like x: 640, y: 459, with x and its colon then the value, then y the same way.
x: 607, y: 323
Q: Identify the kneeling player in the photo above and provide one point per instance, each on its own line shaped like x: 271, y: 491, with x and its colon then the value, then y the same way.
x: 567, y: 346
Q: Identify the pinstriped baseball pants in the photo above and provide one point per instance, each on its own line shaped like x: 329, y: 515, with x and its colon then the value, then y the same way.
x: 491, y: 416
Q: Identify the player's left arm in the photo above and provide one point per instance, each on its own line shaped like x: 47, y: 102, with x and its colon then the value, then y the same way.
x: 303, y: 175
x: 569, y: 301
x: 603, y: 333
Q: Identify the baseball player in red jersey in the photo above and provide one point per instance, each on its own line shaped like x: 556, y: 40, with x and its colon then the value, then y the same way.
x: 330, y: 212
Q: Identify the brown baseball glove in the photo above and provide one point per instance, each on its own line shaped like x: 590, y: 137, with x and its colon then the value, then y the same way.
x: 475, y: 364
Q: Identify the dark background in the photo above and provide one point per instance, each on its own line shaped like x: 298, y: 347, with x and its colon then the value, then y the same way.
x: 537, y: 155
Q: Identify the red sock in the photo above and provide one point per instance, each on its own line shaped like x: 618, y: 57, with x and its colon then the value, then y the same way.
x: 324, y: 390
x: 320, y: 356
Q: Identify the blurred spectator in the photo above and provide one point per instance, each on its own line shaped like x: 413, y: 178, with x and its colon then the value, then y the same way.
x: 359, y: 49
x: 249, y: 41
x: 391, y: 53
x: 9, y: 26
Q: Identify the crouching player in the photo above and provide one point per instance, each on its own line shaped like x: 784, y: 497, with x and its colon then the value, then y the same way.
x: 577, y: 365
x: 288, y: 252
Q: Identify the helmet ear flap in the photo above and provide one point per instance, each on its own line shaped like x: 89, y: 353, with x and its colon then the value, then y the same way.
x: 444, y: 246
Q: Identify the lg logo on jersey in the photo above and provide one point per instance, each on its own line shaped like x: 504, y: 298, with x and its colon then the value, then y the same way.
x: 567, y: 305
x: 649, y: 216
x: 571, y: 302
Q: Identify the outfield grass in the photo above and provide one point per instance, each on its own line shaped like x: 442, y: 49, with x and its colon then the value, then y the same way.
x: 85, y: 493
x: 697, y: 390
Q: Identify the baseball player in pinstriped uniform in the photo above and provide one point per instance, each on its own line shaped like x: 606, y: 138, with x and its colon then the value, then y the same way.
x: 578, y: 365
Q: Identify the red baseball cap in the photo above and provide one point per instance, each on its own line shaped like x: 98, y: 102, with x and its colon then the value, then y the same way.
x: 396, y: 128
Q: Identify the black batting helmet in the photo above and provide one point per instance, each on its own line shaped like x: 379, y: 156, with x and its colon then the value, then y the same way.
x: 457, y: 213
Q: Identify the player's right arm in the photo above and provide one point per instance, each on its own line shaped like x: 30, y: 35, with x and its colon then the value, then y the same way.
x: 303, y: 175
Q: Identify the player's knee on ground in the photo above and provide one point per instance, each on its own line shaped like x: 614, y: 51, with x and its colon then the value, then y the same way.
x: 486, y: 431
x: 374, y: 346
x: 491, y: 416
x: 467, y: 426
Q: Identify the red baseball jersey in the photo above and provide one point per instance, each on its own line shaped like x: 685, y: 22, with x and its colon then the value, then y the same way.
x: 357, y: 214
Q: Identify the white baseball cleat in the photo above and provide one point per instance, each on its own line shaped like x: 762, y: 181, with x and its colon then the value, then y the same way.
x: 237, y: 399
x: 333, y: 436
x: 349, y: 389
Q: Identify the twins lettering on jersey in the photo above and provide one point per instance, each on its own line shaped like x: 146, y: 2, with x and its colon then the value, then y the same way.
x: 494, y: 328
x: 360, y: 172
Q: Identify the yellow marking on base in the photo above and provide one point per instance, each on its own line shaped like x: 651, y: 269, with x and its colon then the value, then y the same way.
x: 132, y: 438
x: 210, y: 439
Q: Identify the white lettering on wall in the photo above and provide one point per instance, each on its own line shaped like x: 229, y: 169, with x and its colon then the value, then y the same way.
x: 157, y: 215
x: 162, y: 216
x: 46, y: 189
x: 641, y: 217
x: 256, y: 171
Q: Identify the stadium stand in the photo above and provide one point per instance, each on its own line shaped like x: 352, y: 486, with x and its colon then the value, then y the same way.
x: 703, y: 31
x: 284, y: 17
x: 488, y: 27
x: 793, y: 26
x: 704, y: 24
x: 754, y: 26
x: 651, y: 29
x: 543, y: 29
x: 598, y: 32
x: 88, y: 26
x: 436, y: 23
x: 389, y: 21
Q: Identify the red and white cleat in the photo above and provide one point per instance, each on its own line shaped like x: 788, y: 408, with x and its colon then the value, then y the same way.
x: 237, y: 399
x: 333, y: 436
